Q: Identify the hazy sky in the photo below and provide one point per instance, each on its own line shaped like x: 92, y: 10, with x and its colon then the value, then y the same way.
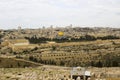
x: 38, y: 13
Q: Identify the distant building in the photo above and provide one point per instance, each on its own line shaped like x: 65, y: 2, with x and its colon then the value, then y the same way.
x: 18, y: 44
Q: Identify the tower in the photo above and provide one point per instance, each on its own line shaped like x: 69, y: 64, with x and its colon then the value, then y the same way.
x: 19, y: 29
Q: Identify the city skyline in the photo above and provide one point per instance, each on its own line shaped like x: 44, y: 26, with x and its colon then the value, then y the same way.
x: 38, y: 13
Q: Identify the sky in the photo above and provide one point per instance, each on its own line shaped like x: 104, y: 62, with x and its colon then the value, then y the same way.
x: 38, y: 13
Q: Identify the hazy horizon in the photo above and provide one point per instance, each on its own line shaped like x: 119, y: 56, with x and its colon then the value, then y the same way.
x: 38, y: 13
x: 57, y: 27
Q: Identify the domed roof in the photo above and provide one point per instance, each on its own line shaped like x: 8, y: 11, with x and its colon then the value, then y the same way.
x: 60, y: 33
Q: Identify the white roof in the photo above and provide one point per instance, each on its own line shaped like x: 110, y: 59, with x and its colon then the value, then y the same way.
x: 87, y: 73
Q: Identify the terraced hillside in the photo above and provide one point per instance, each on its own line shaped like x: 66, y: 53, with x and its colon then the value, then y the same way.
x: 98, y: 53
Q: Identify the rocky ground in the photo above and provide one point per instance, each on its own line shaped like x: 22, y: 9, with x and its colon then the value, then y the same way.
x: 55, y: 73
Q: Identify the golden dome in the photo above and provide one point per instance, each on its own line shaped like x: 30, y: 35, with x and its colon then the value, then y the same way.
x: 60, y: 33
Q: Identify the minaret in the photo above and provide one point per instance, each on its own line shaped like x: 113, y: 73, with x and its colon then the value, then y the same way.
x: 43, y: 31
x: 51, y: 32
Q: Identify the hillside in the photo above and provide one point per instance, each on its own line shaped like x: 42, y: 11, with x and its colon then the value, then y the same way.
x: 101, y: 53
x: 16, y: 63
